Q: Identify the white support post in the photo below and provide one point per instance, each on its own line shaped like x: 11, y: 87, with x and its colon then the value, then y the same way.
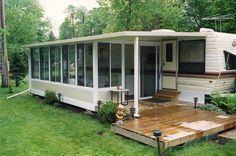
x: 29, y: 67
x: 61, y: 64
x: 76, y: 66
x: 123, y: 68
x: 136, y: 76
x: 95, y: 73
x: 49, y: 63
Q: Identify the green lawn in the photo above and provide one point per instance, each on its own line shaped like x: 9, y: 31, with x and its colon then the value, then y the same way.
x: 30, y: 127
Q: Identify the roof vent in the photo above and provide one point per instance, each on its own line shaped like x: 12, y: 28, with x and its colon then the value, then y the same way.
x: 163, y: 30
x: 206, y: 30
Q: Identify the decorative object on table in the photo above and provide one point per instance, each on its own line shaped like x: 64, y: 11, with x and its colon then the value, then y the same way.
x: 120, y: 115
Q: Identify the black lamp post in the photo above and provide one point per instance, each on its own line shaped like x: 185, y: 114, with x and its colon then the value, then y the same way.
x: 195, y: 99
x: 132, y: 111
x: 157, y: 133
x: 59, y: 97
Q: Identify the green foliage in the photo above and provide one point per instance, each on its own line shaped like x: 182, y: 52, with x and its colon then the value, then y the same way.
x: 211, y: 108
x: 51, y: 97
x: 107, y: 112
x: 226, y: 102
x: 18, y: 66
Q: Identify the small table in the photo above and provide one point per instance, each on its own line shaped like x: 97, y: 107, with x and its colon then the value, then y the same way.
x: 119, y: 92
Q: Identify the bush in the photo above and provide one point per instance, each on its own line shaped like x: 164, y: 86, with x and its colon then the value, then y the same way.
x: 50, y: 97
x: 18, y: 66
x: 226, y: 102
x: 107, y: 112
x: 211, y: 108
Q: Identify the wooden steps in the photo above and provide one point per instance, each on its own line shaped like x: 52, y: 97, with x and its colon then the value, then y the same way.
x: 166, y: 94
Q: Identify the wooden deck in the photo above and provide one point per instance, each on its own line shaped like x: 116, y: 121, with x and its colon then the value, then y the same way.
x: 178, y: 123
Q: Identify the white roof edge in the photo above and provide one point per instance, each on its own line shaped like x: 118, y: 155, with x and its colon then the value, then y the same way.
x: 119, y: 34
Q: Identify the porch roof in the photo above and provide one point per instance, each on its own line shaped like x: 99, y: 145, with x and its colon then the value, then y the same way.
x: 125, y: 35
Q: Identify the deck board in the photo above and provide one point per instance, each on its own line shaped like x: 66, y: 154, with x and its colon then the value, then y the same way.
x: 178, y: 123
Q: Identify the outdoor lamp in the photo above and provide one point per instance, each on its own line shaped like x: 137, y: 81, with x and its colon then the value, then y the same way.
x: 157, y: 133
x: 59, y: 97
x: 132, y: 111
x: 195, y: 99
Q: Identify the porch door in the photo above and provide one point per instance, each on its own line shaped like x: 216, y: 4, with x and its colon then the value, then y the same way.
x: 169, y: 65
x: 147, y: 70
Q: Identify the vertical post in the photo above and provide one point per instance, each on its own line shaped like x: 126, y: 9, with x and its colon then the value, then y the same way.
x: 136, y: 75
x: 76, y: 65
x: 49, y: 63
x: 5, y: 70
x: 61, y: 64
x: 123, y: 68
x: 95, y: 73
x: 30, y: 70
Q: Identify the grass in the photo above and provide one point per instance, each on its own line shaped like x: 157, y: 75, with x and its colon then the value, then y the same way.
x: 28, y: 126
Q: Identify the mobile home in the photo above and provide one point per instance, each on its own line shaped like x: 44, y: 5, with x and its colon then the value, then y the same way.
x: 85, y: 69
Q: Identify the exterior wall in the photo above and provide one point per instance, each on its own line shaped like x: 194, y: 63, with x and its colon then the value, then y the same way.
x: 192, y: 86
x: 224, y: 42
x: 74, y: 95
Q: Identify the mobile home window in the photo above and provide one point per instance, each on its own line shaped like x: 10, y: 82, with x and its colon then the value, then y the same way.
x: 55, y: 60
x: 44, y: 63
x: 192, y: 57
x: 80, y: 64
x: 230, y: 61
x: 68, y: 59
x: 103, y: 65
x: 116, y: 64
x: 65, y: 64
x: 35, y: 63
x: 85, y: 64
x: 169, y: 52
x: 89, y: 64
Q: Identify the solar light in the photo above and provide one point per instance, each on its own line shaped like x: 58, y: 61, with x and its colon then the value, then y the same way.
x: 195, y: 100
x: 132, y: 111
x: 157, y: 133
x: 59, y: 97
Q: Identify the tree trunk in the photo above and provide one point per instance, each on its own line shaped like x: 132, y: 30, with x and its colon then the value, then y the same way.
x: 5, y: 74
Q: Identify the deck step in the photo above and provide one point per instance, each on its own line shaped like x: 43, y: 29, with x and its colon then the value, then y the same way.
x: 166, y: 94
x: 230, y: 134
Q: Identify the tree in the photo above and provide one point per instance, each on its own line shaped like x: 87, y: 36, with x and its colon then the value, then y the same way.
x: 5, y: 76
x: 195, y: 11
x: 18, y: 66
x: 25, y: 23
x: 73, y: 22
x: 51, y: 36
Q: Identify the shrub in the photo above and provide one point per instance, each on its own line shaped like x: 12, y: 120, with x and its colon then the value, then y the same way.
x: 18, y: 66
x: 226, y: 102
x: 50, y: 97
x: 211, y: 108
x: 107, y: 112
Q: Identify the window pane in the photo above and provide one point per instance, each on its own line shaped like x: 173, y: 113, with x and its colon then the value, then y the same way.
x: 129, y: 68
x: 103, y: 65
x: 115, y: 64
x: 72, y: 64
x: 35, y: 63
x: 89, y: 64
x: 55, y: 59
x: 192, y: 56
x: 80, y: 64
x: 230, y: 61
x: 65, y: 63
x: 169, y: 52
x: 44, y: 63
